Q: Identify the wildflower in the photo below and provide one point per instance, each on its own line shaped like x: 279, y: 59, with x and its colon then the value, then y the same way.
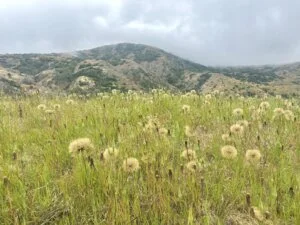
x: 193, y: 92
x: 238, y: 112
x: 131, y: 165
x: 264, y: 105
x: 289, y: 115
x: 226, y: 138
x: 229, y: 152
x: 237, y: 129
x: 154, y: 91
x: 42, y: 107
x: 109, y: 153
x: 206, y: 102
x: 278, y: 112
x: 56, y: 106
x: 253, y: 156
x: 208, y: 96
x: 115, y: 91
x: 81, y: 145
x: 256, y: 114
x: 192, y: 166
x: 70, y: 102
x: 188, y: 154
x: 288, y: 104
x: 216, y: 92
x: 186, y: 108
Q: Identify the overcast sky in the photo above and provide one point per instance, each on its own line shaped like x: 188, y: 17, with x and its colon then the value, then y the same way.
x: 210, y: 32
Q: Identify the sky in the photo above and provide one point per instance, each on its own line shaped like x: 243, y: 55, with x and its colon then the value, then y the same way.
x: 209, y: 32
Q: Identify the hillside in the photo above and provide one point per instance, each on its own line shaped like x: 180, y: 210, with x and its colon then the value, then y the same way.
x: 138, y: 67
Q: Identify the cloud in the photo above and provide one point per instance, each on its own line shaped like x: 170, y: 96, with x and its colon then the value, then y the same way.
x: 211, y: 32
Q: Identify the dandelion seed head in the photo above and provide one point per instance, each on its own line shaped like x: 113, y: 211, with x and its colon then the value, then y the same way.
x: 278, y: 111
x: 206, y: 102
x: 264, y: 105
x: 110, y: 153
x: 253, y: 156
x: 229, y: 152
x: 80, y: 145
x: 289, y: 115
x: 193, y: 92
x: 131, y: 165
x: 56, y: 106
x: 163, y: 131
x: 186, y: 108
x: 188, y: 154
x: 208, y: 96
x: 192, y: 166
x: 238, y: 112
x: 216, y: 92
x: 237, y: 129
x: 226, y: 138
x: 42, y: 107
x: 70, y: 102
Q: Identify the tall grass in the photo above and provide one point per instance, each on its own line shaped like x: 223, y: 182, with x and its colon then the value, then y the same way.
x: 43, y: 183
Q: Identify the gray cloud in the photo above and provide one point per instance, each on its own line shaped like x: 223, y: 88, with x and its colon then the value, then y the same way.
x: 211, y: 32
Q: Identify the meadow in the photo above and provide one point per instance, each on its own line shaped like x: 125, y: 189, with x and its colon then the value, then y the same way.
x: 150, y: 158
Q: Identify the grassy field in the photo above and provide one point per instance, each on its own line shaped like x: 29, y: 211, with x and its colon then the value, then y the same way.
x: 153, y: 158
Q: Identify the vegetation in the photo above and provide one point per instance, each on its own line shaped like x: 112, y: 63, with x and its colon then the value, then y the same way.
x: 149, y: 158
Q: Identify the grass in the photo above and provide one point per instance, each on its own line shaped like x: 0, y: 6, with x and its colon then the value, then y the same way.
x: 43, y: 183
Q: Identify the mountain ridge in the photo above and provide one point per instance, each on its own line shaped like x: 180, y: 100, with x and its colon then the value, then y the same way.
x: 128, y: 66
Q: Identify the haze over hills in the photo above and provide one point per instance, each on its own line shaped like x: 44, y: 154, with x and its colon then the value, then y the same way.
x: 138, y: 67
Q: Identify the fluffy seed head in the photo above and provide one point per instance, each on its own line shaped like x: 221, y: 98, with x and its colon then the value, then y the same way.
x: 238, y: 112
x: 208, y: 96
x: 110, y: 153
x: 237, y: 129
x: 42, y: 107
x: 188, y: 154
x: 186, y: 108
x: 253, y: 156
x: 289, y: 115
x: 80, y: 145
x: 206, y: 102
x: 131, y: 165
x: 56, y: 106
x: 264, y: 105
x: 226, y: 138
x: 229, y: 152
x: 163, y: 131
x: 192, y: 166
x: 278, y: 111
x: 70, y: 102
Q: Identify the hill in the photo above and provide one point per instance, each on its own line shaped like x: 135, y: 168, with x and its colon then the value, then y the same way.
x: 128, y: 66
